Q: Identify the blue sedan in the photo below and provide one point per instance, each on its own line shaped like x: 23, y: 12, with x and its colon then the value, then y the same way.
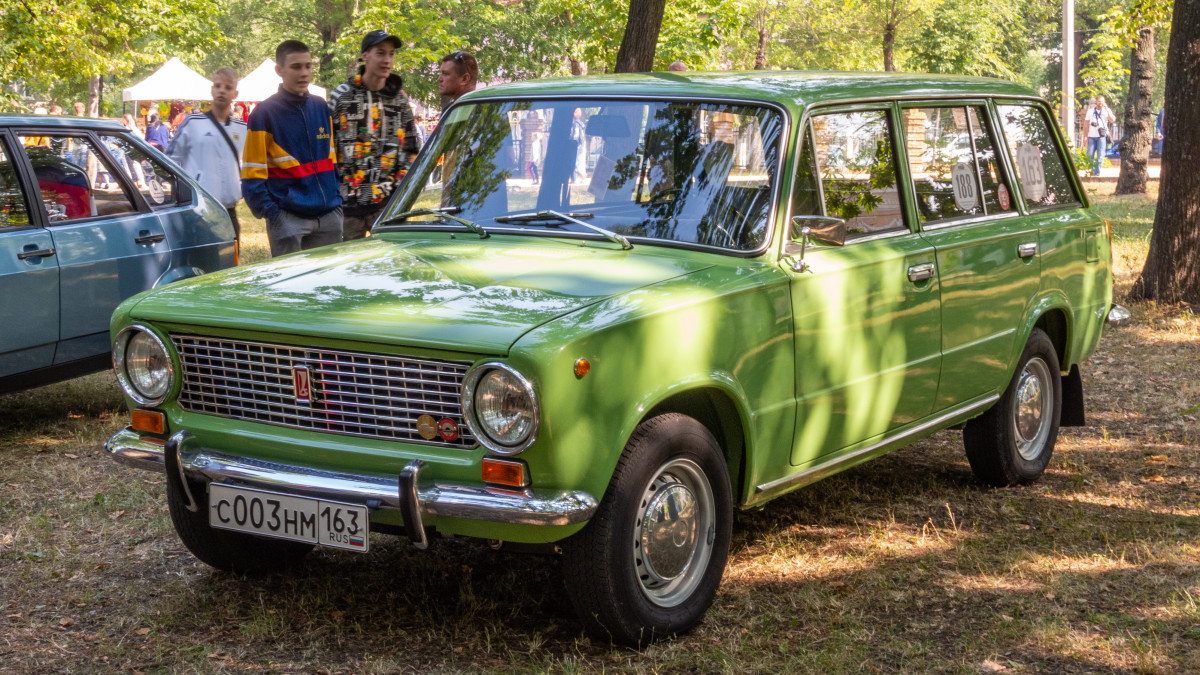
x: 89, y: 215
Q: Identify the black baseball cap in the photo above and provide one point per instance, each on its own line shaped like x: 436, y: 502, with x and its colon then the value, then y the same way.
x: 376, y: 36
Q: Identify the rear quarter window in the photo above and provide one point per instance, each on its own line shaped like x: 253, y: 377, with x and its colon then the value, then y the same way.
x: 1035, y: 154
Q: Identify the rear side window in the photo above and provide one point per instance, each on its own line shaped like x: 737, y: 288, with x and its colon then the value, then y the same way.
x: 152, y: 179
x: 1034, y: 152
x: 953, y: 163
x: 854, y: 164
x: 75, y: 177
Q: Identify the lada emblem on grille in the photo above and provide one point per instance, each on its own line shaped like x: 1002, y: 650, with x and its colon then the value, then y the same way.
x: 302, y: 384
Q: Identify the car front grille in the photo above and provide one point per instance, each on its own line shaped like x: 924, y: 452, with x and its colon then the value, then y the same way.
x: 354, y: 393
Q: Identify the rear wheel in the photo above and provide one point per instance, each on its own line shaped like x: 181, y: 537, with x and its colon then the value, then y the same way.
x: 1012, y: 442
x: 224, y: 550
x: 648, y: 564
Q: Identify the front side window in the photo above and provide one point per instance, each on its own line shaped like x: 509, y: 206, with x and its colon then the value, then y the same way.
x: 852, y: 159
x: 953, y: 163
x: 151, y: 178
x: 13, y: 211
x: 75, y: 179
x: 693, y: 173
x: 1034, y: 152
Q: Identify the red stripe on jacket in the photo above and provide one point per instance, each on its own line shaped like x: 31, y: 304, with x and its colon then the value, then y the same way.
x: 302, y: 170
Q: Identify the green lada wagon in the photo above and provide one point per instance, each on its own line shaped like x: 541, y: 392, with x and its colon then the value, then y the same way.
x: 599, y: 314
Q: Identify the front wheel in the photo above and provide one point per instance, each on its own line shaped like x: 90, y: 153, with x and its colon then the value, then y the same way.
x: 1012, y: 442
x: 648, y: 564
x: 225, y: 550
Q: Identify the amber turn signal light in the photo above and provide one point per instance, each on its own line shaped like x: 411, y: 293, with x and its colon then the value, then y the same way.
x: 149, y: 421
x: 582, y: 367
x: 504, y: 472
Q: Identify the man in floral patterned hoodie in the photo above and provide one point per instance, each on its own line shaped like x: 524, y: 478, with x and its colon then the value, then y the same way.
x: 374, y: 134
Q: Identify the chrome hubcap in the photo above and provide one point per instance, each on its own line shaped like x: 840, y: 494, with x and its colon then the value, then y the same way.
x: 676, y: 525
x: 1032, y: 412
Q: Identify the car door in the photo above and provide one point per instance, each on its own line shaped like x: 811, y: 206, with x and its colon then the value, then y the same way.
x: 865, y: 314
x: 1070, y: 236
x: 987, y: 253
x: 109, y: 243
x: 28, y: 276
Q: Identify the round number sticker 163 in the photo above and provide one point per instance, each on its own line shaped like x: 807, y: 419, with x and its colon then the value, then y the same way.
x: 1033, y: 174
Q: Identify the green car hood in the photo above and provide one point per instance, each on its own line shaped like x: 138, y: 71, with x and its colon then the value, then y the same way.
x: 460, y: 295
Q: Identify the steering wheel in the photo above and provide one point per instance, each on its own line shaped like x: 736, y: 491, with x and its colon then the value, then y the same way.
x: 662, y: 195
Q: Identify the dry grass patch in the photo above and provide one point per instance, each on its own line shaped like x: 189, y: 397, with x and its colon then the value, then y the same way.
x: 905, y: 564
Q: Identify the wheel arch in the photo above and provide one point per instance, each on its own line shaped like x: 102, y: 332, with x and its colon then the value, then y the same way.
x: 716, y: 409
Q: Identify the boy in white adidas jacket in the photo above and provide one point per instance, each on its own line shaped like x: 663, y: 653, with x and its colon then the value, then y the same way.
x: 209, y: 145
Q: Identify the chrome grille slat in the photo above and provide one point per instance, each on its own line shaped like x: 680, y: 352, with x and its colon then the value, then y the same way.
x: 355, y: 394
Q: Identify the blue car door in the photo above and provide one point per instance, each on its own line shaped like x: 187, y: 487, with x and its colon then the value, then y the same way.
x: 28, y: 277
x: 110, y: 244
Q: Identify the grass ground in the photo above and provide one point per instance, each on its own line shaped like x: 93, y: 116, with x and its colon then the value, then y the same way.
x: 905, y: 564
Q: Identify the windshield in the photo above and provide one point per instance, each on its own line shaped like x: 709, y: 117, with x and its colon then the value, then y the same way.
x: 694, y: 173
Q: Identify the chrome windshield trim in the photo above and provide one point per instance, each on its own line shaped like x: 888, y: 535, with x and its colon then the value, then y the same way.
x: 825, y: 469
x: 444, y: 499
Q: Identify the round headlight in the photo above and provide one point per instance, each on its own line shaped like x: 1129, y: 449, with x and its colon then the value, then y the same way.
x: 501, y: 408
x: 143, y: 365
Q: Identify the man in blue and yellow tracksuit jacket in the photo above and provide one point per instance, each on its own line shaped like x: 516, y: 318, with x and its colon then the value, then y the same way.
x: 289, y: 171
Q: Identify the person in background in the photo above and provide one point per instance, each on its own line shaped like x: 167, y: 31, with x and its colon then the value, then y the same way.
x: 374, y: 132
x: 80, y: 109
x: 56, y: 109
x: 157, y: 134
x: 459, y: 74
x: 422, y: 132
x: 289, y: 166
x: 677, y: 67
x: 1098, y: 117
x: 209, y: 145
x: 130, y: 123
x: 1158, y: 133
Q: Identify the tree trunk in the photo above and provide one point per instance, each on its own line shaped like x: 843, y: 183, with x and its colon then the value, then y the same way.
x: 760, y: 55
x: 889, y: 46
x: 636, y: 54
x: 1172, y: 270
x: 1139, y: 118
x: 95, y: 91
x: 578, y: 67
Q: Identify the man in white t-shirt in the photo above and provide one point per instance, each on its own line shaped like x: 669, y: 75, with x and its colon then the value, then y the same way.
x: 209, y: 145
x: 1096, y: 121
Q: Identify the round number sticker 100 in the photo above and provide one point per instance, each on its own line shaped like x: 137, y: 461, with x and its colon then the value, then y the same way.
x: 1033, y: 174
x: 963, y: 181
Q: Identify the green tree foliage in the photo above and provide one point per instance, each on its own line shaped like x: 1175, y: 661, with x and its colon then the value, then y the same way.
x: 47, y: 42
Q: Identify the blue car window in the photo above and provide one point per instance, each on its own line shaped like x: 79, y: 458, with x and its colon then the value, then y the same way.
x: 75, y: 179
x: 152, y: 179
x: 13, y: 210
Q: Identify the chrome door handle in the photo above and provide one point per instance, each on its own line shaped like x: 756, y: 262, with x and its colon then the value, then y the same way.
x: 149, y: 239
x: 1027, y: 250
x: 40, y: 253
x: 920, y: 272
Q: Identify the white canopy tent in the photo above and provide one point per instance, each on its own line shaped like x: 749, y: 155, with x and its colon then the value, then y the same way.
x: 174, y: 81
x: 263, y: 82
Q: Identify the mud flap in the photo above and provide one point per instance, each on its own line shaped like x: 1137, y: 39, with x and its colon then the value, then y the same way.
x: 1072, y: 399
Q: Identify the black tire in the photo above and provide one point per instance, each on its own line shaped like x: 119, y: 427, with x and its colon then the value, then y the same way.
x: 671, y: 462
x: 1012, y: 442
x: 225, y: 550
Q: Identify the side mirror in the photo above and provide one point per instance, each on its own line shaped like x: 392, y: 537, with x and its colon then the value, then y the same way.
x: 822, y: 229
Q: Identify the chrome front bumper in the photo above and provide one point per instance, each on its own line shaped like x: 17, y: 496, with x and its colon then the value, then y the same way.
x: 405, y: 492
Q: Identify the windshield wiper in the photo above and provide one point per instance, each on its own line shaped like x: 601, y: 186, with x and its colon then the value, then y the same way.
x: 566, y: 218
x: 443, y: 212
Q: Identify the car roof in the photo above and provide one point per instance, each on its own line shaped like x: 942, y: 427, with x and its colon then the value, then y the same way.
x: 793, y: 89
x: 62, y: 121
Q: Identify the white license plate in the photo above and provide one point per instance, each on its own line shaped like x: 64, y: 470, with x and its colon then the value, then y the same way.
x: 270, y: 514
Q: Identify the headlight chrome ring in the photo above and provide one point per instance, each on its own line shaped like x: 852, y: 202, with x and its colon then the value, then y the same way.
x: 154, y: 388
x: 489, y: 436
